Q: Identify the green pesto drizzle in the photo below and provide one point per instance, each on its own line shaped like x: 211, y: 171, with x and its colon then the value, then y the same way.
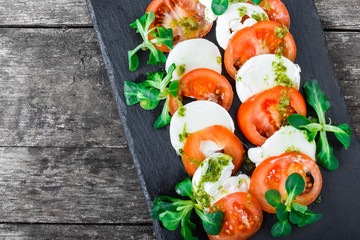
x: 242, y: 11
x: 280, y: 32
x: 280, y: 73
x: 218, y: 60
x: 181, y: 111
x: 292, y: 149
x: 257, y: 17
x: 180, y: 69
x: 283, y: 105
x: 184, y: 135
x: 213, y: 173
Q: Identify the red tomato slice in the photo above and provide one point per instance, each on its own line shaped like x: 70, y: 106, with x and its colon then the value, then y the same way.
x: 204, y: 84
x: 273, y: 172
x: 263, y: 114
x: 243, y: 216
x: 223, y: 137
x: 258, y: 39
x: 276, y: 11
x: 185, y: 17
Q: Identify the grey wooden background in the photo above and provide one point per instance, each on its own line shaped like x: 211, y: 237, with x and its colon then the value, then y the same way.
x: 65, y: 169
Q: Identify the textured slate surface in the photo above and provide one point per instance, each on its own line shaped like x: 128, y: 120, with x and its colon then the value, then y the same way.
x: 159, y: 168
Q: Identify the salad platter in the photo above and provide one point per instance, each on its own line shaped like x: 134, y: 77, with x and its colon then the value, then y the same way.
x: 158, y: 165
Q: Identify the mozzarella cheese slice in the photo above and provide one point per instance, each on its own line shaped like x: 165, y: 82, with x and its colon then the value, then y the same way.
x: 198, y: 115
x: 212, y: 180
x: 286, y: 139
x: 209, y: 14
x: 266, y: 71
x: 193, y: 54
x: 231, y: 21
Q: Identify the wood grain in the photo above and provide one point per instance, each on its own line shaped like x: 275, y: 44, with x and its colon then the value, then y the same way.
x: 334, y: 14
x: 54, y: 90
x: 69, y: 185
x: 70, y: 232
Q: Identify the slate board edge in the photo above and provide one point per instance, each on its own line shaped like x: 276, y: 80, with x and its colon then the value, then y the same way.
x: 128, y: 135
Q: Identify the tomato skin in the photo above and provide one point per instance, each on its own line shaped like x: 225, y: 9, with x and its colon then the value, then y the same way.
x: 204, y: 84
x: 258, y: 39
x: 258, y: 117
x: 238, y: 206
x: 273, y: 172
x: 222, y: 136
x: 276, y: 11
x: 185, y: 17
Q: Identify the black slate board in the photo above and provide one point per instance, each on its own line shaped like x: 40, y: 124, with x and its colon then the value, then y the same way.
x: 158, y: 166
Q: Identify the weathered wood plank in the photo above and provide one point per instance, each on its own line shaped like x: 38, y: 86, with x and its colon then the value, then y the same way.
x: 59, y: 185
x: 44, y: 13
x: 333, y: 13
x: 54, y: 90
x: 40, y: 231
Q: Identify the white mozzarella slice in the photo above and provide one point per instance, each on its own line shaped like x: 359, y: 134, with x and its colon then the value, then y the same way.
x: 193, y: 54
x: 198, y: 115
x: 266, y: 71
x: 209, y: 14
x: 230, y: 22
x: 209, y: 186
x: 286, y: 139
x: 240, y: 183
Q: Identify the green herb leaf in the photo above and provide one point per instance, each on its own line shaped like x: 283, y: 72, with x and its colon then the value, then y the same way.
x: 294, y: 186
x: 248, y: 166
x: 186, y: 227
x: 299, y: 208
x: 281, y: 212
x: 281, y: 229
x: 256, y: 2
x: 150, y: 94
x: 316, y: 98
x: 273, y: 197
x: 161, y: 35
x: 324, y: 153
x: 184, y: 188
x: 303, y: 218
x: 342, y: 133
x: 171, y: 220
x: 131, y: 91
x: 164, y: 118
x: 297, y: 121
x: 173, y: 88
x: 219, y: 7
x: 148, y: 105
x: 212, y: 222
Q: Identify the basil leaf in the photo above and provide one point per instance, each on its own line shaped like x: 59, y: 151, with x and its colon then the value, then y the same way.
x: 173, y: 88
x: 219, y: 7
x: 133, y: 60
x: 170, y: 220
x: 184, y: 188
x: 324, y: 153
x: 168, y: 77
x: 316, y: 98
x: 294, y: 186
x: 187, y: 226
x: 310, y: 217
x: 164, y: 118
x: 299, y: 208
x: 273, y: 197
x: 165, y: 36
x: 313, y: 127
x: 297, y: 121
x: 150, y: 94
x: 281, y: 212
x: 212, y: 222
x: 156, y: 56
x: 148, y: 105
x: 281, y: 229
x: 131, y: 91
x: 256, y: 2
x: 342, y: 133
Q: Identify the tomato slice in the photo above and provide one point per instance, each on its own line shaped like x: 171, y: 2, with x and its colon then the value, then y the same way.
x: 264, y: 113
x: 204, y: 84
x: 273, y: 172
x: 223, y: 137
x: 185, y: 17
x: 260, y: 38
x: 276, y: 11
x: 243, y: 216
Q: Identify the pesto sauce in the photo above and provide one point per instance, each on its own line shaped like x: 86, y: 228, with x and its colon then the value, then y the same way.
x: 280, y: 73
x: 181, y: 111
x: 218, y: 60
x: 239, y: 79
x: 237, y: 1
x: 213, y: 173
x: 180, y: 69
x: 189, y: 24
x: 184, y: 135
x: 242, y: 11
x: 258, y: 17
x: 280, y: 32
x: 283, y: 105
x: 292, y: 149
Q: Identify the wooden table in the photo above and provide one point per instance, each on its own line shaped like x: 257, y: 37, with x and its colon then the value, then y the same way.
x: 65, y: 169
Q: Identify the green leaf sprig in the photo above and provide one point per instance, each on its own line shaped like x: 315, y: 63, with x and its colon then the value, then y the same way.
x: 150, y: 92
x: 219, y: 7
x: 172, y: 212
x: 296, y: 213
x: 318, y: 100
x: 160, y: 35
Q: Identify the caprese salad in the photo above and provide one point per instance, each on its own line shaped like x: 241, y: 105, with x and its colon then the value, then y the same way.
x: 232, y: 186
